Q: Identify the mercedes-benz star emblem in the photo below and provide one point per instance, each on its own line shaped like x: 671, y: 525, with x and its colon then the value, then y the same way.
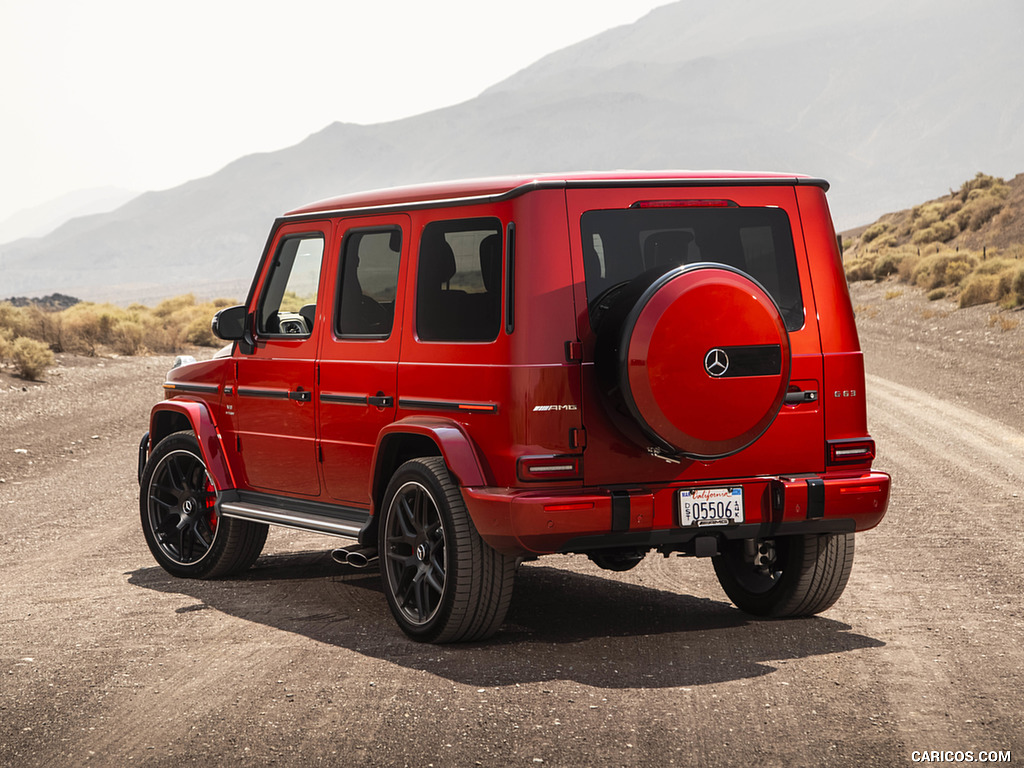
x: 716, y: 362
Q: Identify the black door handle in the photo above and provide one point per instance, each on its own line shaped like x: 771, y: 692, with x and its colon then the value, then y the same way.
x: 301, y: 395
x: 798, y: 397
x: 381, y: 401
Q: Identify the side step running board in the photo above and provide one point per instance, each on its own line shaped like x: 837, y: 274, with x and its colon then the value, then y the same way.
x: 289, y: 518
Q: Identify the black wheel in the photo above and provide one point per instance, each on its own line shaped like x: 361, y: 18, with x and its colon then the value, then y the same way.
x: 443, y: 583
x: 179, y: 519
x: 796, y: 575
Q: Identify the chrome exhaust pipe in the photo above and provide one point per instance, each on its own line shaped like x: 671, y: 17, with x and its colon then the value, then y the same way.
x: 359, y: 557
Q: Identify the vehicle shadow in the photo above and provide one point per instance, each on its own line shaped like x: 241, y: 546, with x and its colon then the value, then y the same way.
x: 561, y: 626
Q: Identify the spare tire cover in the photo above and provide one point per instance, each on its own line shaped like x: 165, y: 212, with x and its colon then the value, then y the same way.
x: 701, y: 359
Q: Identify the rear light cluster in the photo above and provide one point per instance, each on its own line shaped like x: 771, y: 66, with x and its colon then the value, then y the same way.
x: 538, y: 469
x: 859, y: 451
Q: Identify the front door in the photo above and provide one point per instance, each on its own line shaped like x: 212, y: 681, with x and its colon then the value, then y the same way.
x: 359, y: 352
x: 274, y: 394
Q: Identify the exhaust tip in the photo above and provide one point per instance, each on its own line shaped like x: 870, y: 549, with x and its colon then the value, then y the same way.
x: 357, y: 558
x: 340, y: 556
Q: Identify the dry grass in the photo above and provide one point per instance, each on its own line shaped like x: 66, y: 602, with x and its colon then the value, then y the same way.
x: 866, y: 310
x: 30, y: 335
x: 929, y: 246
x: 1002, y: 322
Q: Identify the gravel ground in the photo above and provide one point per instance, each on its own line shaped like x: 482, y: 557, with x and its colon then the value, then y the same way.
x: 106, y: 660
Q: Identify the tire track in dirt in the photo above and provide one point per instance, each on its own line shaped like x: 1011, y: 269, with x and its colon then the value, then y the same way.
x: 945, y: 564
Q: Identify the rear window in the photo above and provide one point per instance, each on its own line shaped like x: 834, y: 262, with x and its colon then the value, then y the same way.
x: 619, y: 245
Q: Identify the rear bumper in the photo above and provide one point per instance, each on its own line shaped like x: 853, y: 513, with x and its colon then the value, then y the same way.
x: 516, y: 521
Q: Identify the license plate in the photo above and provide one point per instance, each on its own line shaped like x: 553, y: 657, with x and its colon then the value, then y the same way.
x: 710, y: 506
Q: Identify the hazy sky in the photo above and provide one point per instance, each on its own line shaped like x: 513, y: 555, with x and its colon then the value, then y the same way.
x: 148, y: 95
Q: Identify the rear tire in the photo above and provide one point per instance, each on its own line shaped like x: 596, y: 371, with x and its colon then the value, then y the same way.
x: 177, y: 502
x: 807, y: 576
x: 443, y: 583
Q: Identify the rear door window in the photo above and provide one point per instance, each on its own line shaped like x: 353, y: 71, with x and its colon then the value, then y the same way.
x: 458, y: 284
x: 369, y: 283
x: 620, y: 245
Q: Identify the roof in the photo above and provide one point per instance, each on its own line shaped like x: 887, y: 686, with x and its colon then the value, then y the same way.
x: 499, y: 187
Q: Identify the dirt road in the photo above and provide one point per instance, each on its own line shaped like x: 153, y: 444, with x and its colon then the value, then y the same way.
x: 106, y: 660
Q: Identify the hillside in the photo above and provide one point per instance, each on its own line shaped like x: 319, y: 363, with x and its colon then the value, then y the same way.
x: 984, y: 212
x: 887, y: 101
x: 967, y: 244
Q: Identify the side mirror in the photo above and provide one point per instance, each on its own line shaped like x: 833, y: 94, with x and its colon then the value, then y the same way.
x: 229, y: 323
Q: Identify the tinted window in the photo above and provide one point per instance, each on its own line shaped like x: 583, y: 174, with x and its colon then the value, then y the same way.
x: 622, y: 244
x: 288, y: 303
x: 368, y: 282
x: 458, y: 286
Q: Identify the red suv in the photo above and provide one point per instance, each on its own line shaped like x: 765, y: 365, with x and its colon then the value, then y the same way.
x: 462, y: 376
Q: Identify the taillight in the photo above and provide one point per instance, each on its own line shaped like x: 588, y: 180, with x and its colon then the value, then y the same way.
x: 857, y: 451
x: 534, y: 469
x: 684, y: 204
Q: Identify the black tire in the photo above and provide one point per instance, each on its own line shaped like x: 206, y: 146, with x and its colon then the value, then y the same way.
x: 182, y: 528
x: 443, y: 583
x: 808, y: 575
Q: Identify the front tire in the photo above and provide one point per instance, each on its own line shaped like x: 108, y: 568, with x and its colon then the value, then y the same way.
x: 443, y: 583
x: 805, y: 576
x: 177, y: 502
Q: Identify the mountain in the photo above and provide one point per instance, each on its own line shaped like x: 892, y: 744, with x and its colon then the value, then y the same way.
x: 892, y: 102
x: 42, y: 219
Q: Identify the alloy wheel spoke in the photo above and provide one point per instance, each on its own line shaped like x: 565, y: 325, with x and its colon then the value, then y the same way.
x: 175, y: 476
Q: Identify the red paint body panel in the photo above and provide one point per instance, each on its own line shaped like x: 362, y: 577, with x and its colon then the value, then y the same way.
x: 202, y: 423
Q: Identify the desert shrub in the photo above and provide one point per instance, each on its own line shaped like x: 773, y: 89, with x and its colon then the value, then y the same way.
x: 938, y: 232
x: 950, y: 207
x: 168, y: 307
x: 908, y: 264
x: 887, y: 264
x: 979, y: 289
x: 981, y: 181
x: 29, y: 356
x: 943, y: 268
x: 860, y: 269
x: 86, y: 329
x: 996, y: 266
x: 924, y: 216
x: 976, y: 213
x: 11, y: 318
x: 44, y: 326
x: 1010, y: 292
x: 938, y: 293
x: 199, y: 332
x: 957, y: 270
x: 875, y: 230
x: 128, y: 337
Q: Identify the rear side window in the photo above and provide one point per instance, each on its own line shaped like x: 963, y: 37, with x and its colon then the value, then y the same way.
x: 620, y: 245
x: 458, y: 283
x: 288, y: 303
x: 368, y: 282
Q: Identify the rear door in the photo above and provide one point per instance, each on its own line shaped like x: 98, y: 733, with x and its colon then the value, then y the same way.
x: 620, y: 234
x: 358, y: 388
